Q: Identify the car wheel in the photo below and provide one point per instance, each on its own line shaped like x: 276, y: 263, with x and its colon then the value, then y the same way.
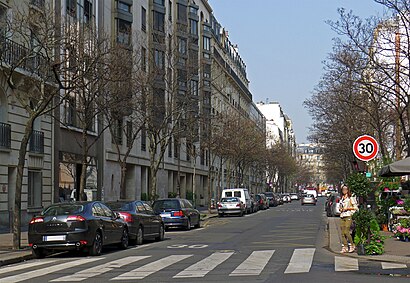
x: 96, y: 247
x: 140, y: 236
x: 124, y: 240
x: 161, y: 234
x: 38, y: 253
x: 198, y: 225
x: 188, y: 225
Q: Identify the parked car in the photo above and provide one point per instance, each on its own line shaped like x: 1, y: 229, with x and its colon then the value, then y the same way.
x: 308, y: 199
x: 279, y: 199
x: 271, y: 199
x: 262, y: 201
x: 255, y: 205
x: 231, y: 205
x: 294, y: 196
x: 241, y: 193
x: 332, y: 205
x: 176, y: 212
x: 76, y: 226
x: 142, y: 222
x: 286, y: 198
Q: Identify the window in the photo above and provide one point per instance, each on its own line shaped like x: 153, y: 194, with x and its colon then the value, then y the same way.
x: 129, y: 134
x: 125, y: 7
x: 207, y: 43
x: 182, y: 10
x: 3, y: 20
x: 182, y: 45
x: 193, y: 10
x: 207, y: 71
x: 193, y: 27
x: 123, y: 32
x: 228, y: 194
x: 117, y: 132
x: 194, y: 88
x: 170, y: 11
x: 34, y: 189
x: 159, y: 2
x: 143, y: 59
x: 159, y: 19
x: 98, y: 210
x: 159, y: 59
x: 143, y: 19
x: 143, y: 140
x: 88, y: 11
x: 71, y: 6
x: 182, y: 77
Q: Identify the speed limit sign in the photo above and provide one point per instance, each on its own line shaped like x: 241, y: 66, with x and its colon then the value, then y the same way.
x: 365, y: 148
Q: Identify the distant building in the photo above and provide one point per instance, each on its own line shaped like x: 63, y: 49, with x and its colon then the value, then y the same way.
x: 311, y: 156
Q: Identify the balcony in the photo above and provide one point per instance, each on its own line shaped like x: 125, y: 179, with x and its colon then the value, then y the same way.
x: 37, y: 142
x: 5, y: 136
x: 17, y: 55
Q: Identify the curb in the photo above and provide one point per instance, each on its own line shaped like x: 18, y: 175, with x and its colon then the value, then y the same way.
x: 385, y: 257
x: 12, y: 258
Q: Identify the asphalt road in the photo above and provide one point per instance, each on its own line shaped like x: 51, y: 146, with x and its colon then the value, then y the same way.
x: 282, y: 244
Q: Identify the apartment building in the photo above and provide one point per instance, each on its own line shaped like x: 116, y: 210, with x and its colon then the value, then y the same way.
x: 311, y: 156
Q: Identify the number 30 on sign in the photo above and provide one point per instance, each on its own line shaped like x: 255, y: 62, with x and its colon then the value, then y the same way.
x: 365, y: 148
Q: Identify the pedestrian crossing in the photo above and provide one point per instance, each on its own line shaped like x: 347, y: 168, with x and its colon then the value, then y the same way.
x: 138, y: 267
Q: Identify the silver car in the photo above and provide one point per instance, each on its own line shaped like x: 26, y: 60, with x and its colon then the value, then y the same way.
x: 308, y: 199
x: 230, y: 205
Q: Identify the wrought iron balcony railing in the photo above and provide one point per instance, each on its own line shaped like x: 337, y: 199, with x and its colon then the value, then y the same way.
x: 37, y: 142
x: 5, y: 135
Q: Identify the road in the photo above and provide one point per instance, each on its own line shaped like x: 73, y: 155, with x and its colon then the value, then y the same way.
x: 282, y: 244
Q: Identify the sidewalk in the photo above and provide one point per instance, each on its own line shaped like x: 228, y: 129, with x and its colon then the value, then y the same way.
x: 9, y: 256
x: 395, y: 250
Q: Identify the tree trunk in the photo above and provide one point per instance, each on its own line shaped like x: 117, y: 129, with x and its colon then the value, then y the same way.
x: 19, y: 184
x: 123, y: 192
x: 194, y: 184
x: 83, y: 177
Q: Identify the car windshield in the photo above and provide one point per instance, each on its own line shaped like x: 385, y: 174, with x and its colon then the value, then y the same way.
x: 66, y: 209
x: 120, y: 206
x: 229, y: 200
x: 160, y: 205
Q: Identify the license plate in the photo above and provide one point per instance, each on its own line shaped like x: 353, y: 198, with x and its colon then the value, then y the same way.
x: 165, y: 214
x: 53, y: 238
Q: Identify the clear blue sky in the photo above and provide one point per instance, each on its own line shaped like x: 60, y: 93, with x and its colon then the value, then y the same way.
x: 283, y: 43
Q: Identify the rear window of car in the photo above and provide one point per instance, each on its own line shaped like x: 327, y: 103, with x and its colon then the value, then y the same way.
x: 228, y: 194
x: 268, y: 194
x: 166, y: 204
x: 121, y: 206
x: 63, y: 210
x: 237, y: 194
x: 229, y: 200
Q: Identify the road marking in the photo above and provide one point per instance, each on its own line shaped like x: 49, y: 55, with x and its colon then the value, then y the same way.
x: 203, y: 267
x: 301, y: 261
x: 50, y: 269
x: 22, y: 266
x: 390, y: 265
x: 343, y: 263
x: 150, y: 268
x: 100, y: 269
x: 254, y: 264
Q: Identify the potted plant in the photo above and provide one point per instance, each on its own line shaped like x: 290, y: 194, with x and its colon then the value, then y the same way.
x: 362, y: 219
x: 375, y: 242
x: 382, y: 220
x: 402, y: 230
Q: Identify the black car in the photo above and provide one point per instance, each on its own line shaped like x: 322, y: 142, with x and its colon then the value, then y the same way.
x: 271, y: 199
x: 76, y: 226
x: 262, y: 201
x: 177, y: 212
x: 143, y: 223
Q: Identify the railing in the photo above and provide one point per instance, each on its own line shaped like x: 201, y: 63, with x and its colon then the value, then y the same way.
x: 5, y: 135
x: 37, y: 142
x: 20, y: 56
x: 38, y: 3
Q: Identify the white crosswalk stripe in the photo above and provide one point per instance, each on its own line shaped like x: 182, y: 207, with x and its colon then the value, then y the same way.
x: 390, y: 265
x: 203, y: 267
x: 48, y: 270
x: 150, y: 268
x: 99, y: 269
x: 301, y: 261
x: 343, y: 263
x: 22, y: 266
x: 254, y: 264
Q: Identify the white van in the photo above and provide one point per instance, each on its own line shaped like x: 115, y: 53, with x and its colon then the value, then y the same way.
x: 242, y: 194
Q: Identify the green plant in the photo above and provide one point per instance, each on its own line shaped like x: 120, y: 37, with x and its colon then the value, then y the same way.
x: 375, y: 245
x: 362, y: 219
x: 144, y: 196
x: 172, y: 194
x: 190, y: 195
x: 381, y: 217
x: 359, y: 185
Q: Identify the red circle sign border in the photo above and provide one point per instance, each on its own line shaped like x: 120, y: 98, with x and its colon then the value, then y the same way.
x: 357, y: 153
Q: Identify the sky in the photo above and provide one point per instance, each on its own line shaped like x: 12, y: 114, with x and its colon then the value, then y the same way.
x: 283, y: 44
